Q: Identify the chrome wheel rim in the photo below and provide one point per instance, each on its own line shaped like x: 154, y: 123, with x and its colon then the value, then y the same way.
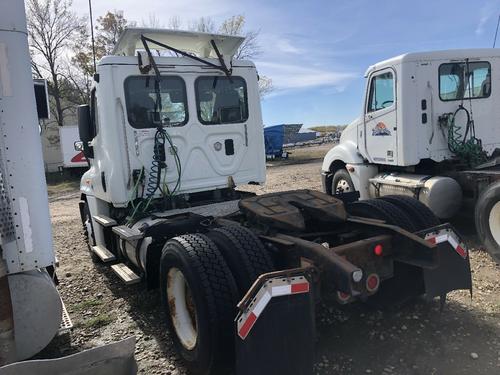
x: 342, y: 186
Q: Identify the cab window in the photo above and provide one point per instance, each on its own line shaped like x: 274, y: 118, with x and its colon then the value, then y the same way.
x: 146, y: 110
x: 463, y: 80
x: 221, y: 100
x: 381, y: 92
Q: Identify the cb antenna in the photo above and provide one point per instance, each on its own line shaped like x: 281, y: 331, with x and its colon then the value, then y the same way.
x: 92, y: 34
x: 496, y: 32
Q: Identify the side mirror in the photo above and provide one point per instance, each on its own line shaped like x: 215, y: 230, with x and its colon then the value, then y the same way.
x: 85, y: 123
x: 78, y: 145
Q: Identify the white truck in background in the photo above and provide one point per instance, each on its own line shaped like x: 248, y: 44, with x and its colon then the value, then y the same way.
x: 72, y: 156
x: 429, y: 129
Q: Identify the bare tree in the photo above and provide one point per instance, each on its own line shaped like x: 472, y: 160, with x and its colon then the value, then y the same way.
x: 174, y: 23
x: 109, y: 28
x: 203, y: 25
x: 52, y: 27
x: 153, y: 22
x: 235, y: 25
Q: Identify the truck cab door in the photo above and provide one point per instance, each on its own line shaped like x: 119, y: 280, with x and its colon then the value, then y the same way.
x: 380, y: 119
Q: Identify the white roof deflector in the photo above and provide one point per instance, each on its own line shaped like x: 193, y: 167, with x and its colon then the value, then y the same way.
x: 198, y: 44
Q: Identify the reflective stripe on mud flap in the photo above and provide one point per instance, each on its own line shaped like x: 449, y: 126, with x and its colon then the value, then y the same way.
x: 272, y: 288
x: 447, y: 235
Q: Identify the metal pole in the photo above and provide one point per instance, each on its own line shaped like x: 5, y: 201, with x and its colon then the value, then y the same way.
x: 92, y: 34
x: 496, y: 33
x: 7, y: 339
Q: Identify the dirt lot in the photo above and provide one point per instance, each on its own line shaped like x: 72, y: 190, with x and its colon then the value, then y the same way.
x: 411, y: 339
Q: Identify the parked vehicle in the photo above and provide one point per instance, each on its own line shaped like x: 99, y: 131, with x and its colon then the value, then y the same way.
x: 168, y: 139
x: 72, y: 156
x: 428, y: 130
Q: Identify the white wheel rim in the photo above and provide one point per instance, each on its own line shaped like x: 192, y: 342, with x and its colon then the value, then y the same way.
x: 342, y: 186
x: 494, y: 222
x: 182, y: 308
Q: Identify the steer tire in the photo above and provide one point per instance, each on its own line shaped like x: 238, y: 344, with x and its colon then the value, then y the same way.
x: 342, y: 176
x: 89, y: 237
x: 422, y: 216
x: 244, y: 253
x: 487, y: 218
x: 382, y: 210
x: 202, y: 302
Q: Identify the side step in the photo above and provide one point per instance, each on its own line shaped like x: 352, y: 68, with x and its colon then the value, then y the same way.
x: 104, y: 254
x: 104, y: 221
x: 125, y: 274
x: 127, y: 233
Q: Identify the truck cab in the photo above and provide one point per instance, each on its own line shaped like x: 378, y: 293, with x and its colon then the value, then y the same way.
x: 212, y: 120
x: 427, y: 118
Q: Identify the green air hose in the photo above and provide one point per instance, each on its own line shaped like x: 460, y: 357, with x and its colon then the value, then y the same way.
x: 464, y: 145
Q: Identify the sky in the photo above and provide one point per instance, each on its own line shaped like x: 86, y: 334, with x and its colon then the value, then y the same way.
x: 316, y: 51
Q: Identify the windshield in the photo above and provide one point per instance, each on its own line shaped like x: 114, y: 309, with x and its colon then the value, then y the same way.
x: 221, y: 100
x: 140, y: 97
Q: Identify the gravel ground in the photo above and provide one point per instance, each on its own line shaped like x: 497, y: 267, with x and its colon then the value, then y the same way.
x: 412, y: 339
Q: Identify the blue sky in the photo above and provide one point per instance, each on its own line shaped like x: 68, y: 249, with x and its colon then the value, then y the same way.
x: 316, y: 51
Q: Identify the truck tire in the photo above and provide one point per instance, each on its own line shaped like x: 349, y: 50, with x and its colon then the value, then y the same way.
x: 199, y: 296
x: 88, y: 231
x: 342, y: 182
x: 422, y: 215
x: 487, y: 218
x: 382, y: 210
x: 244, y: 253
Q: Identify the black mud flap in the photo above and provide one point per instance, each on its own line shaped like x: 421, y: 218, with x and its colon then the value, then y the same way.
x: 276, y: 329
x: 451, y: 269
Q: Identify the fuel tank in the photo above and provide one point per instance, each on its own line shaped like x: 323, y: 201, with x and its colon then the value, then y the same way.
x: 443, y: 195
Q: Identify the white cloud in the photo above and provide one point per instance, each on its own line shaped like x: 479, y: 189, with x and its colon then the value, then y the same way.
x: 285, y: 46
x: 294, y: 77
x: 486, y: 12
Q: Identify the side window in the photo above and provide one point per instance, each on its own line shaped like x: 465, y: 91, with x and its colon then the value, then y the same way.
x: 381, y: 92
x: 460, y: 80
x: 146, y: 110
x: 220, y: 100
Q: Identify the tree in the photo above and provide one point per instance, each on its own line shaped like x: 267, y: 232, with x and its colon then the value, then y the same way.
x: 203, y: 25
x: 108, y: 30
x: 52, y: 27
x: 235, y: 25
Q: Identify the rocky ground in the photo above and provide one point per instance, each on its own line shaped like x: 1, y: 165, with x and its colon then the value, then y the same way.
x: 415, y: 338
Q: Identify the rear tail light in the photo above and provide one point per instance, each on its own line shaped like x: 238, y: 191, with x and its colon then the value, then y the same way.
x: 378, y: 250
x: 343, y: 297
x: 372, y: 282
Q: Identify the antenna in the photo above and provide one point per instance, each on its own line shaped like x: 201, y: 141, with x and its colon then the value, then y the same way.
x: 496, y: 32
x: 92, y: 34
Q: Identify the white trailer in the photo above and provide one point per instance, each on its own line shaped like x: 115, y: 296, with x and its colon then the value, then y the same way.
x: 428, y: 129
x: 31, y: 310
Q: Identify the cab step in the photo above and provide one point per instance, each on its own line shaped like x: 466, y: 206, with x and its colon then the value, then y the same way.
x: 104, y: 254
x: 129, y: 234
x: 125, y: 273
x: 105, y: 221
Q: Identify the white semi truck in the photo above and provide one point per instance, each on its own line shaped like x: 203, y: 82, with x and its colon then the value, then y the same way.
x: 169, y: 135
x: 429, y: 129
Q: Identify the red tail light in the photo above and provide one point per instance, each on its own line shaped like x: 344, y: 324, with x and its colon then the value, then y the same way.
x: 378, y: 250
x: 372, y: 282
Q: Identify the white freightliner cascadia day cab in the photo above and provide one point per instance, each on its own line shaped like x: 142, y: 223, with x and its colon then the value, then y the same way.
x: 174, y: 125
x: 430, y: 130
